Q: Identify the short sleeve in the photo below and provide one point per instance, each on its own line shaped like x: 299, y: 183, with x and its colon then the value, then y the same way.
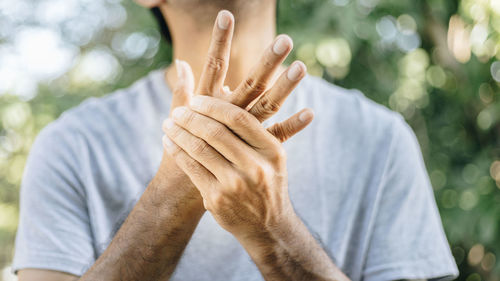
x: 54, y: 231
x: 408, y: 241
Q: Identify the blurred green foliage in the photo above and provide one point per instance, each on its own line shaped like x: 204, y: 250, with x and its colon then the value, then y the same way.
x: 434, y: 61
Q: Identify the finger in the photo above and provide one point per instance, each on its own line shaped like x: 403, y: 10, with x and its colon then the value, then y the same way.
x: 199, y: 175
x: 216, y: 135
x: 238, y: 120
x: 198, y: 149
x: 215, y: 68
x: 185, y: 84
x: 286, y: 129
x: 263, y: 72
x: 187, y: 76
x: 271, y: 101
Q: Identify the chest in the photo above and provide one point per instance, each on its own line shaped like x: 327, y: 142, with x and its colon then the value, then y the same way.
x: 324, y: 192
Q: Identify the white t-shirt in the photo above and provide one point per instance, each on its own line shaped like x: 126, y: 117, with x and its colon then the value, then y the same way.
x: 356, y: 178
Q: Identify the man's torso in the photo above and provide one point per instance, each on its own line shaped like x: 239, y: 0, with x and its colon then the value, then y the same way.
x: 331, y: 182
x: 335, y: 168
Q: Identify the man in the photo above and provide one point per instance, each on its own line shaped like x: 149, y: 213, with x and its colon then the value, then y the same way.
x: 355, y: 176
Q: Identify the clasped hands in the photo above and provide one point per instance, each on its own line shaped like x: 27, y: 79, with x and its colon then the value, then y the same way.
x: 216, y: 138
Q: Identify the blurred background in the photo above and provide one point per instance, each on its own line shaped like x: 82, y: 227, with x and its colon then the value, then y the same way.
x: 437, y: 62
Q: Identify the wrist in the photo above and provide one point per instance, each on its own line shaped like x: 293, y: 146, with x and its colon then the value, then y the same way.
x: 265, y: 240
x: 169, y: 175
x: 171, y: 187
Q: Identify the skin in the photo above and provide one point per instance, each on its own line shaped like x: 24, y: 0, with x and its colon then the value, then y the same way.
x: 240, y: 170
x: 150, y: 242
x: 254, y: 32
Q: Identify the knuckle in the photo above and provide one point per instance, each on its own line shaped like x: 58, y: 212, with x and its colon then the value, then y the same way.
x: 215, y: 63
x: 258, y: 111
x: 174, y: 132
x: 215, y: 131
x: 238, y: 116
x: 220, y: 41
x: 278, y: 154
x: 278, y: 132
x: 237, y: 184
x: 259, y: 173
x: 285, y: 130
x: 210, y: 107
x: 289, y: 126
x: 188, y: 118
x: 199, y: 147
x: 269, y: 63
x: 190, y: 163
x: 175, y: 152
x: 269, y: 105
x: 255, y: 85
x: 216, y: 201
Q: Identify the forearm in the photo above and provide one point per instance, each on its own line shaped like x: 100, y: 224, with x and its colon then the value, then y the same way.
x: 150, y: 242
x: 240, y: 170
x: 290, y: 252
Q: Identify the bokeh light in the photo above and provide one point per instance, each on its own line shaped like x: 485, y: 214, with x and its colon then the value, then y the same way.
x: 435, y: 62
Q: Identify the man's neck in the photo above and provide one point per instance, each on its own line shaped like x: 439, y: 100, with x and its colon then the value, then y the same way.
x: 191, y: 41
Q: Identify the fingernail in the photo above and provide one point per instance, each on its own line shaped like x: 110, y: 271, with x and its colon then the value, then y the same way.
x: 226, y: 90
x: 187, y: 76
x: 224, y: 19
x: 295, y: 71
x: 167, y: 142
x: 168, y: 123
x: 179, y: 112
x: 196, y: 102
x: 306, y: 116
x: 180, y: 70
x: 282, y: 44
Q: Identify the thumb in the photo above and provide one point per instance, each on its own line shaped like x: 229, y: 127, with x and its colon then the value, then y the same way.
x: 185, y: 84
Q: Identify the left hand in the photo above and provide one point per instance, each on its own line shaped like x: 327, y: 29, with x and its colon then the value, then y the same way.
x: 238, y: 166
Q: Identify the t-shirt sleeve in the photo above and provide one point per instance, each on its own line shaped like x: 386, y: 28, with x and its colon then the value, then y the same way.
x: 54, y: 231
x: 408, y: 241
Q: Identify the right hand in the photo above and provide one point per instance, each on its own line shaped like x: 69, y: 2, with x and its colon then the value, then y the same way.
x: 254, y: 94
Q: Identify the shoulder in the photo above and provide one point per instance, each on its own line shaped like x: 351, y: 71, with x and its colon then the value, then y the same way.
x: 362, y: 131
x: 121, y: 110
x: 347, y: 115
x: 99, y: 112
x: 352, y: 104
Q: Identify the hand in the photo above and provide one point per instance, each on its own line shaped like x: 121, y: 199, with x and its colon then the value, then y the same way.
x: 256, y: 93
x: 254, y: 87
x: 237, y: 165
